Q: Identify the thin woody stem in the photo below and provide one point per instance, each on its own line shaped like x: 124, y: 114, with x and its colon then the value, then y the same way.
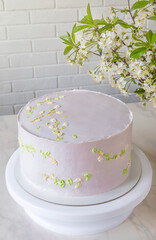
x: 129, y: 10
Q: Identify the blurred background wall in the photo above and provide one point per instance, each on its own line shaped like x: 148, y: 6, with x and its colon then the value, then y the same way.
x: 31, y: 53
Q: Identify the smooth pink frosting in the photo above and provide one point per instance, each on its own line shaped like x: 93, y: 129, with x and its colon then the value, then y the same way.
x: 99, y: 121
x: 90, y: 115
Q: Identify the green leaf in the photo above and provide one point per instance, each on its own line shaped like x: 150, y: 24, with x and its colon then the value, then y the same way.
x: 86, y: 20
x: 64, y: 37
x: 106, y: 27
x: 139, y: 4
x: 149, y: 35
x: 81, y: 27
x: 67, y: 50
x: 73, y: 35
x: 139, y: 91
x: 123, y: 24
x: 138, y: 52
x: 153, y: 40
x: 152, y: 18
x: 89, y: 13
x: 98, y: 22
x: 141, y: 44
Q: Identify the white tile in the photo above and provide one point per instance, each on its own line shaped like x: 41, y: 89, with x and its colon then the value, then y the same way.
x: 15, y: 98
x: 42, y: 92
x: 129, y: 99
x: 1, y: 5
x: 54, y: 16
x: 32, y: 59
x: 96, y: 12
x: 63, y: 28
x: 5, y: 87
x: 15, y: 73
x: 54, y: 70
x: 45, y: 45
x: 34, y: 84
x: 6, y: 110
x: 31, y: 31
x: 88, y: 66
x: 104, y: 88
x: 4, y: 62
x: 14, y: 46
x: 79, y: 3
x: 75, y: 81
x: 28, y: 4
x: 18, y: 107
x: 2, y: 33
x: 10, y: 18
x: 115, y: 3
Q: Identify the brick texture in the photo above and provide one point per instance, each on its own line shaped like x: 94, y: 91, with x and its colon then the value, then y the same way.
x: 28, y: 4
x: 31, y: 53
x: 54, y: 16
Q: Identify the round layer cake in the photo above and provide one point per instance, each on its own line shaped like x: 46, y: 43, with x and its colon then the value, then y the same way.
x: 75, y: 143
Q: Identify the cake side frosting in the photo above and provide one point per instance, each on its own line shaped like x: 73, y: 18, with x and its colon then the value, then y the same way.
x: 75, y: 166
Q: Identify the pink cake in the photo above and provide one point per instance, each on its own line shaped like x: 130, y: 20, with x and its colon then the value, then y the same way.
x: 75, y: 143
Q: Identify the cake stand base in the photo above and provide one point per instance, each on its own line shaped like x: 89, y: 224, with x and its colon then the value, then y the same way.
x: 81, y: 220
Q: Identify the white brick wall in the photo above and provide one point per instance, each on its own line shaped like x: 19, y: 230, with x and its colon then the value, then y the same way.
x: 31, y: 54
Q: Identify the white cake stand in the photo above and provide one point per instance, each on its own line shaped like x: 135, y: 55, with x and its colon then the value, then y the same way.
x: 87, y: 219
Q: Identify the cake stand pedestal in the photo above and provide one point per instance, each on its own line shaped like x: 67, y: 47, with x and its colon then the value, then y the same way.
x: 81, y: 220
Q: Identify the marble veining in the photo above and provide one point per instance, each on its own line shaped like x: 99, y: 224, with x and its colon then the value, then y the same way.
x: 15, y: 224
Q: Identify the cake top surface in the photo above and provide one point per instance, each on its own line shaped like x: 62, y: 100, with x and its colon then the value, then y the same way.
x: 75, y: 116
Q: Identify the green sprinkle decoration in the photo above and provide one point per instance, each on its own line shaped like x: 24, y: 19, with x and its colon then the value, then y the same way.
x: 51, y: 110
x: 87, y: 176
x: 124, y: 171
x: 100, y: 151
x: 70, y: 181
x: 63, y: 127
x: 74, y: 136
x: 60, y: 138
x: 44, y: 155
x: 94, y: 150
x: 47, y: 153
x: 56, y: 132
x: 56, y: 98
x: 55, y: 182
x: 107, y: 159
x: 47, y: 115
x: 62, y: 183
x: 47, y: 123
x: 28, y: 116
x: 64, y: 117
x: 107, y: 154
x: 78, y: 185
x: 38, y: 128
x: 115, y: 156
x: 122, y: 152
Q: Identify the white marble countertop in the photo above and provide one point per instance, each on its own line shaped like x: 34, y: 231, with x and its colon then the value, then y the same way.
x: 141, y: 225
